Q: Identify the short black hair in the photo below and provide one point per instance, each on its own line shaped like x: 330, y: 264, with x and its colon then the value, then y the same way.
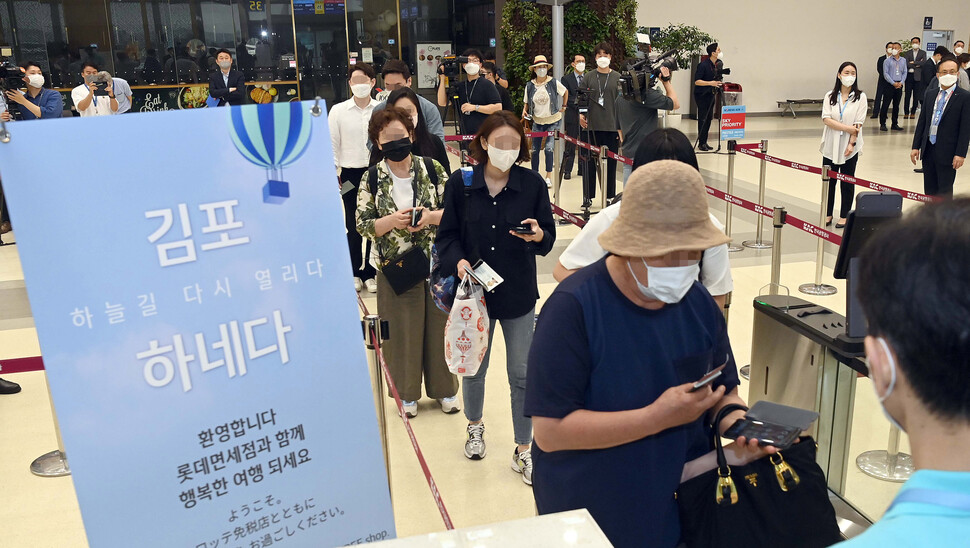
x: 963, y: 58
x: 87, y: 64
x: 941, y: 50
x: 913, y: 289
x: 711, y: 48
x: 489, y: 54
x: 28, y: 64
x: 889, y: 44
x: 947, y: 59
x: 959, y: 42
x: 223, y: 50
x: 489, y: 66
x: 396, y: 66
x: 575, y: 55
x: 363, y: 67
x: 665, y: 144
x: 473, y: 52
x: 603, y: 47
x: 916, y: 38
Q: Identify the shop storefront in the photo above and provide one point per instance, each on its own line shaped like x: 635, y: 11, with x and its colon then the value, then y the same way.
x: 287, y: 51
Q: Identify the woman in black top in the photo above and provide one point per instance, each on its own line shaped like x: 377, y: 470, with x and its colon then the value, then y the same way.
x: 425, y: 144
x: 482, y: 205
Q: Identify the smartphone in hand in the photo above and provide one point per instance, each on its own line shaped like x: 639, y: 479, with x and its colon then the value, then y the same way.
x: 523, y: 229
x: 708, y: 378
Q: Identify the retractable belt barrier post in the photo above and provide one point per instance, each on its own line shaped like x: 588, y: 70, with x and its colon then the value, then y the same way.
x: 732, y: 156
x: 818, y: 288
x: 888, y: 465
x: 374, y: 332
x: 759, y: 243
x: 778, y: 221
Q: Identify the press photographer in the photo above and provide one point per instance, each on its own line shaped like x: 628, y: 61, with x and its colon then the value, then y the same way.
x: 38, y: 102
x: 707, y: 86
x: 95, y: 97
x: 474, y: 98
x: 640, y: 99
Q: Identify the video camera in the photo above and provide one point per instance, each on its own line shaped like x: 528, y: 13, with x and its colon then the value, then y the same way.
x: 11, y: 76
x: 450, y: 66
x: 642, y: 75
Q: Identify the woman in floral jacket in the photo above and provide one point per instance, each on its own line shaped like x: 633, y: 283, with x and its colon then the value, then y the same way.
x: 404, y: 184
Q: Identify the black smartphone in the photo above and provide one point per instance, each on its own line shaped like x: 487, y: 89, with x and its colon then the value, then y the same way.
x: 708, y: 378
x: 416, y: 216
x: 101, y: 89
x: 523, y: 229
x: 766, y: 433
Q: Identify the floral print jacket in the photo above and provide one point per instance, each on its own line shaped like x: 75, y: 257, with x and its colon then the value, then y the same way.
x: 370, y: 208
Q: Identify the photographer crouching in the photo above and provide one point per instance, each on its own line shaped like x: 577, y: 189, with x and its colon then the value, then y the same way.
x: 640, y: 100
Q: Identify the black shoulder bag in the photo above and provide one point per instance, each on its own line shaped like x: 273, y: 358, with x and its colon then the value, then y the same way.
x: 777, y: 500
x: 413, y: 266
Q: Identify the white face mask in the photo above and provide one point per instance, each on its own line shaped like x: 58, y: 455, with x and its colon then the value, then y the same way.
x: 667, y: 284
x: 892, y: 385
x: 225, y: 64
x: 916, y: 47
x: 720, y: 55
x: 889, y: 51
x: 360, y: 90
x: 502, y: 159
x: 36, y: 80
x: 580, y: 67
x: 602, y: 62
x: 894, y: 52
x: 541, y: 72
x: 472, y: 68
x: 958, y: 51
x: 948, y: 80
x: 847, y: 80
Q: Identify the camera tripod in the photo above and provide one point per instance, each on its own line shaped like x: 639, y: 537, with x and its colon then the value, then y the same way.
x: 459, y: 121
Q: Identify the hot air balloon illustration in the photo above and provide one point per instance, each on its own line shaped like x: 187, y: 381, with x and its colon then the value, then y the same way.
x: 272, y: 136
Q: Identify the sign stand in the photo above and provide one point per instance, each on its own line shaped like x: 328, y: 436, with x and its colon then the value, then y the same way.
x: 53, y: 464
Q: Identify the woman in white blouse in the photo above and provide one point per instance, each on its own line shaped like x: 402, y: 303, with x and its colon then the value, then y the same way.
x: 843, y: 112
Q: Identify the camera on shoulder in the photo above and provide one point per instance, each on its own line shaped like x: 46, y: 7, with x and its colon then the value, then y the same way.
x: 642, y: 76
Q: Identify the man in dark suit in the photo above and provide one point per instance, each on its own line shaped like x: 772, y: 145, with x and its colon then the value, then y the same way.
x: 881, y: 84
x: 914, y: 63
x: 943, y: 131
x: 574, y: 81
x: 227, y: 85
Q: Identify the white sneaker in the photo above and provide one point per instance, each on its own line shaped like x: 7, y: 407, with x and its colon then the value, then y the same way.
x: 548, y: 183
x: 449, y: 405
x: 522, y: 463
x: 410, y: 409
x: 371, y: 285
x: 475, y: 444
x: 358, y: 284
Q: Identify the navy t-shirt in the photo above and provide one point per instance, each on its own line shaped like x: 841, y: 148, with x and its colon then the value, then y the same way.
x: 594, y: 349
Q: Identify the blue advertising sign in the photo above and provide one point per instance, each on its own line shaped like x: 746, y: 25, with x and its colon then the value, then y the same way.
x: 732, y: 122
x: 191, y: 287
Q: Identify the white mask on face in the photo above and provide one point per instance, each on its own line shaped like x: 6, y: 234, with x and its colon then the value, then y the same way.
x: 720, y: 55
x: 225, y: 64
x: 502, y: 159
x: 958, y: 51
x: 667, y: 284
x: 472, y: 68
x: 602, y: 62
x: 847, y: 80
x: 892, y: 385
x: 895, y: 52
x: 889, y: 51
x: 541, y: 72
x: 360, y: 90
x: 580, y: 67
x: 948, y: 80
x: 36, y: 80
x: 916, y: 47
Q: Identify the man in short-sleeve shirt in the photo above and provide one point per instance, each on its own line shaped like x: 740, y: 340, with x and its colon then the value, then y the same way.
x: 613, y: 416
x: 477, y: 97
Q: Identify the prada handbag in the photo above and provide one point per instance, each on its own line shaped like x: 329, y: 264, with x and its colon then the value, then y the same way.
x: 777, y: 500
x: 407, y: 270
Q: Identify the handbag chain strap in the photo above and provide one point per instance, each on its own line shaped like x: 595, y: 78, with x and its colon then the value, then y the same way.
x: 726, y: 492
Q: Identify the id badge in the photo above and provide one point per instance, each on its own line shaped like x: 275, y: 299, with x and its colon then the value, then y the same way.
x: 346, y: 187
x: 601, y: 101
x: 486, y: 276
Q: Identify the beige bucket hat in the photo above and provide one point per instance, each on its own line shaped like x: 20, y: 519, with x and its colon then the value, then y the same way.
x: 664, y: 209
x: 540, y: 61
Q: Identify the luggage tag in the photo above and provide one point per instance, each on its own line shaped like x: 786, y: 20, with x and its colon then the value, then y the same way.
x: 346, y: 187
x: 485, y: 275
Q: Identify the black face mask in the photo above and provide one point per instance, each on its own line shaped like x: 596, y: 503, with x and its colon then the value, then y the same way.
x: 396, y: 151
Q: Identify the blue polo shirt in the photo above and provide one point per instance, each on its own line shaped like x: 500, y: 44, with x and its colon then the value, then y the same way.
x: 50, y: 102
x: 913, y: 520
x: 594, y: 349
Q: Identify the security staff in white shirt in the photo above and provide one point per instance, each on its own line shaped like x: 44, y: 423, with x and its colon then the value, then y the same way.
x: 348, y: 132
x: 584, y: 250
x: 85, y: 97
x: 843, y: 113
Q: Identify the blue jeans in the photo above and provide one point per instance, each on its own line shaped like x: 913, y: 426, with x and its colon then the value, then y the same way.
x: 550, y: 145
x: 627, y: 170
x: 518, y: 339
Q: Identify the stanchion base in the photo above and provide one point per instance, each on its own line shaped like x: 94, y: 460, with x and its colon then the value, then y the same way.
x: 734, y: 248
x: 745, y: 372
x: 757, y: 244
x: 818, y: 289
x: 564, y: 222
x: 876, y: 464
x: 51, y: 465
